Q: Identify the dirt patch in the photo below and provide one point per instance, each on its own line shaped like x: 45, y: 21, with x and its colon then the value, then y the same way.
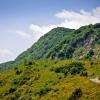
x: 96, y: 79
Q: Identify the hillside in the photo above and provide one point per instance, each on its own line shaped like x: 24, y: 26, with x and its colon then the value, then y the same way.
x: 45, y: 43
x: 64, y: 64
x: 62, y: 43
x: 49, y: 40
x: 51, y: 80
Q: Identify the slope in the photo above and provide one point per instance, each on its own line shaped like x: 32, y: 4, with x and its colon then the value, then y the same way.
x: 49, y: 40
x: 63, y: 43
x: 82, y: 43
x: 51, y: 80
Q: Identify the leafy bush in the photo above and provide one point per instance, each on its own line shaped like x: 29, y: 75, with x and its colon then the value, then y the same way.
x: 21, y: 80
x: 18, y: 72
x: 72, y: 68
x: 84, y: 73
x: 2, y: 82
x: 43, y: 91
x: 12, y: 89
x: 90, y: 54
x: 76, y: 94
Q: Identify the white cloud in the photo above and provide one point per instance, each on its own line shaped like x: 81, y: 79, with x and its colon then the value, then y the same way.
x: 41, y: 29
x: 85, y: 12
x: 5, y: 53
x: 76, y: 20
x: 70, y: 19
x: 21, y: 33
x: 96, y: 12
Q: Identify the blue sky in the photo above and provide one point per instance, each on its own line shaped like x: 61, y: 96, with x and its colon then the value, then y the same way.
x: 22, y: 22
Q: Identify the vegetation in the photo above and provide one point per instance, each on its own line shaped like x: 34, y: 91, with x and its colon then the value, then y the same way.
x: 76, y: 94
x: 62, y: 43
x: 59, y: 66
x: 51, y: 80
x: 73, y: 68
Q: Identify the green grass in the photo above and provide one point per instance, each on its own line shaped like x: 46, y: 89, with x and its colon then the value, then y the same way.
x: 37, y: 80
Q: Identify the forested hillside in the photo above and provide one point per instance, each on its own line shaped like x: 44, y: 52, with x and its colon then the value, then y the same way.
x: 64, y: 64
x: 62, y: 43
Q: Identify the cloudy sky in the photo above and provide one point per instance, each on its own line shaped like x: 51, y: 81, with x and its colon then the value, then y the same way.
x: 22, y: 22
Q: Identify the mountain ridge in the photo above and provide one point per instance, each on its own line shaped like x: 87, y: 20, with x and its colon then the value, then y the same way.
x: 63, y: 43
x: 64, y: 64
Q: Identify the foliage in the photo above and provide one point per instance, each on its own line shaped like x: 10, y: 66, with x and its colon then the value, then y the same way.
x: 76, y: 94
x: 72, y: 68
x: 46, y: 80
x: 90, y: 54
x: 62, y: 43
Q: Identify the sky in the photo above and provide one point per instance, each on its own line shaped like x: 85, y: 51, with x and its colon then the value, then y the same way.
x: 23, y: 22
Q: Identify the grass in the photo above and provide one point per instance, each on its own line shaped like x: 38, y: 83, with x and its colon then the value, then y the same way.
x: 35, y: 80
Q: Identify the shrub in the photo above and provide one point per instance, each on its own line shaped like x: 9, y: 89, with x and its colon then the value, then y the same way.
x: 2, y: 82
x: 21, y: 80
x: 76, y: 94
x: 28, y: 63
x: 73, y: 68
x: 84, y: 73
x: 12, y: 89
x: 43, y: 91
x: 90, y: 54
x: 91, y: 63
x: 18, y: 72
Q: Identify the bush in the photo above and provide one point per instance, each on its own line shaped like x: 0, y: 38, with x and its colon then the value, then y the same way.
x: 18, y: 72
x: 84, y: 73
x: 90, y: 54
x: 73, y: 68
x: 91, y: 63
x: 43, y: 91
x: 76, y: 94
x: 2, y: 82
x: 21, y: 80
x: 28, y: 63
x: 12, y: 89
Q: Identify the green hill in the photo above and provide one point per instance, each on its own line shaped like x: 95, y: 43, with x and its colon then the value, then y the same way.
x: 51, y: 80
x: 62, y: 43
x: 64, y: 64
x: 44, y: 44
